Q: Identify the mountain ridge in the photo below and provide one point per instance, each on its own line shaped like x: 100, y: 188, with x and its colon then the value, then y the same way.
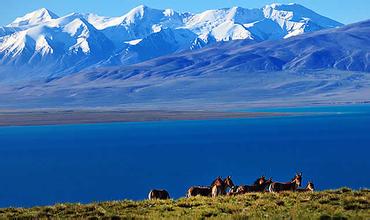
x: 26, y: 44
x: 345, y: 48
x: 327, y: 66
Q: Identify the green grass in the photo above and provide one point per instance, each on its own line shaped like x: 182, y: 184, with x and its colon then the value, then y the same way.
x: 332, y: 204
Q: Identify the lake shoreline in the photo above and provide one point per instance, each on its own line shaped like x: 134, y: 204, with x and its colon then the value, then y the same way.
x: 69, y: 117
x: 46, y: 116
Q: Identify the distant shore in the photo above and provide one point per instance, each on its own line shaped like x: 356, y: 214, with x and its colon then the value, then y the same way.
x: 61, y: 117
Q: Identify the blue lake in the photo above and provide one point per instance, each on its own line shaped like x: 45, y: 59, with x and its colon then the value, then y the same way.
x: 41, y: 165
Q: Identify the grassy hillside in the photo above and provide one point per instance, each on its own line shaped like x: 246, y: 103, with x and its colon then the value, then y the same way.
x: 333, y: 204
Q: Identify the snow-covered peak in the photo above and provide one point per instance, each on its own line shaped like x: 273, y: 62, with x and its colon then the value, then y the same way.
x: 99, y: 22
x: 34, y: 18
x: 210, y: 19
x: 296, y: 13
x: 77, y: 28
x: 138, y: 23
x: 41, y: 36
x: 136, y: 13
x: 71, y: 23
x: 144, y: 13
x: 139, y: 16
x: 70, y: 34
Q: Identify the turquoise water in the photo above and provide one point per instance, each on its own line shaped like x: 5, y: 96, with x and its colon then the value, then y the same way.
x: 353, y: 109
x: 43, y: 165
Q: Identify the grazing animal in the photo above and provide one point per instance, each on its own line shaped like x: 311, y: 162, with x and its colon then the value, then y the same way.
x: 158, y: 194
x: 259, y: 187
x: 309, y: 188
x: 202, y: 190
x: 289, y: 186
x: 220, y: 186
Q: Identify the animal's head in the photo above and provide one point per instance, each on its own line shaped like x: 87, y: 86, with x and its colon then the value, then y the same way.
x: 228, y: 182
x: 298, y: 179
x: 217, y: 182
x: 310, y: 186
x: 260, y: 180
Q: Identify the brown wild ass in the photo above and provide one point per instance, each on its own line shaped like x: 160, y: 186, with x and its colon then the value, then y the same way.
x: 260, y: 185
x: 234, y: 189
x: 258, y: 181
x: 202, y: 190
x: 220, y: 186
x: 309, y: 188
x: 289, y: 186
x: 158, y: 194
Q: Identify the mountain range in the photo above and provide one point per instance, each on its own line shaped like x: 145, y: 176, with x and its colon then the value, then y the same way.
x: 162, y: 59
x: 42, y: 43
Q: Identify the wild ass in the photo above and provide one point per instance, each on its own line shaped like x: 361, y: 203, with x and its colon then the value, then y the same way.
x: 201, y: 190
x: 259, y: 186
x: 309, y: 188
x: 219, y: 187
x: 158, y: 194
x: 289, y: 186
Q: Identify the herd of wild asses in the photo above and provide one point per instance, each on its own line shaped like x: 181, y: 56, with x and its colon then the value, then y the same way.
x: 219, y: 187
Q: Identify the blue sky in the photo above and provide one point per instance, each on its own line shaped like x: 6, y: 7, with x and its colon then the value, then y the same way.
x: 345, y: 11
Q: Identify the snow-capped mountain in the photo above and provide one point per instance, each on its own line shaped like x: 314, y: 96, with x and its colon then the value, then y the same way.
x: 37, y: 17
x: 326, y: 66
x: 293, y: 19
x: 343, y: 49
x: 138, y: 23
x: 41, y: 42
x: 69, y: 42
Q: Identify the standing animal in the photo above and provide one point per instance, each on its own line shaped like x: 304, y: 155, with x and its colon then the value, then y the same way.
x: 158, y: 194
x: 198, y: 190
x: 309, y: 188
x: 220, y: 186
x: 289, y: 186
x: 202, y: 190
x: 259, y: 186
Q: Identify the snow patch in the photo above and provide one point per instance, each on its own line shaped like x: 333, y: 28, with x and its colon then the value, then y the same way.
x: 134, y: 42
x: 42, y: 46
